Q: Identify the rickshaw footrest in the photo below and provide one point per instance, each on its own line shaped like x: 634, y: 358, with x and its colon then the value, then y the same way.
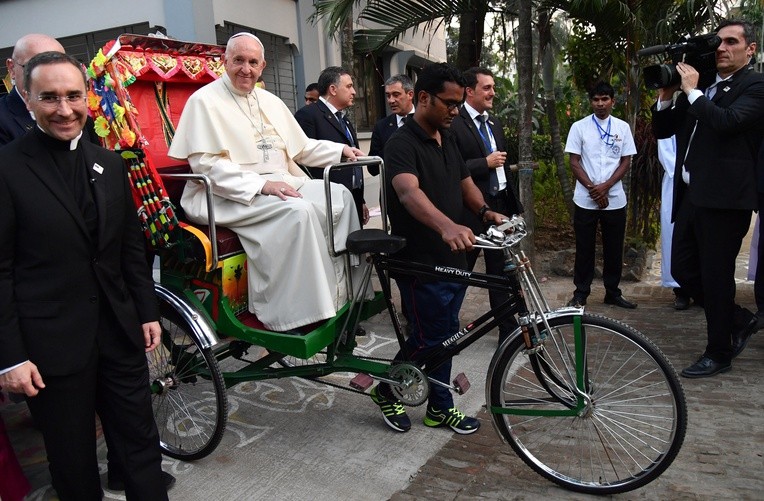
x: 361, y: 382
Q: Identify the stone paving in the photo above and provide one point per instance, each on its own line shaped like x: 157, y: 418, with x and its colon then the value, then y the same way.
x: 723, y: 452
x: 722, y: 456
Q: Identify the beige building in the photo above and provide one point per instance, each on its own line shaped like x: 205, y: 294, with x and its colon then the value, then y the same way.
x: 296, y: 50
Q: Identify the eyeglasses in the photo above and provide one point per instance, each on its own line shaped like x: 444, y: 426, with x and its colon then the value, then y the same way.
x: 53, y: 101
x: 22, y: 66
x: 451, y: 105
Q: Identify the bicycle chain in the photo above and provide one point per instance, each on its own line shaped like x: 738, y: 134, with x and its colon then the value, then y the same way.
x: 347, y: 388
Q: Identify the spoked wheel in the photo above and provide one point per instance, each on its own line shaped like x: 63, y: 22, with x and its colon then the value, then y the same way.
x: 188, y: 392
x: 622, y: 434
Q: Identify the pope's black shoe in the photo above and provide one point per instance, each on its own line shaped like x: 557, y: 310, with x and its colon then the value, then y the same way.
x: 706, y: 367
x: 620, y: 301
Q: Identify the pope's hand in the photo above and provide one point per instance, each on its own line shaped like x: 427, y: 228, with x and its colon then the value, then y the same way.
x: 352, y: 153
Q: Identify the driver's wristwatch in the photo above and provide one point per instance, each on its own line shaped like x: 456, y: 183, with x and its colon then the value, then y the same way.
x: 482, y: 211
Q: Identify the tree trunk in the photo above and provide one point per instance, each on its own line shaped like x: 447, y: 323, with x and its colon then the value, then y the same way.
x: 470, y: 38
x: 525, y: 99
x: 347, y: 56
x: 550, y: 106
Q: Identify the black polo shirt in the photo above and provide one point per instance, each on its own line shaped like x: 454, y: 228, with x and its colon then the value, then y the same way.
x: 440, y: 170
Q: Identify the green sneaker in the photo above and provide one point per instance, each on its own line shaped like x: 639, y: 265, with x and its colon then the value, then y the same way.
x: 392, y: 411
x: 453, y: 418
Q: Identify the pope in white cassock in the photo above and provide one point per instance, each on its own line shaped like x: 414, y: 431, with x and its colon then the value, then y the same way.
x: 247, y: 141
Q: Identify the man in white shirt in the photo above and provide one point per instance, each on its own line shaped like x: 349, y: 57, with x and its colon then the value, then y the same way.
x: 600, y: 148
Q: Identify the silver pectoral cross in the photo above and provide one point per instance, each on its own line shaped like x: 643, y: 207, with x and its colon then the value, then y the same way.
x: 265, y: 146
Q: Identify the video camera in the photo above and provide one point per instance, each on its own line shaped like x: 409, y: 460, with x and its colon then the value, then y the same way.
x: 698, y: 52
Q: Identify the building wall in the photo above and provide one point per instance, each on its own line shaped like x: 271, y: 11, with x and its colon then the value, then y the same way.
x: 312, y: 49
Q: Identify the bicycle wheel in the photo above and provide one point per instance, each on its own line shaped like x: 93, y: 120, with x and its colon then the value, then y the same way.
x: 627, y: 434
x: 188, y: 392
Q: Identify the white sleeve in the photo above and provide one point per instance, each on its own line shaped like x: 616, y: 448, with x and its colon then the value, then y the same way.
x: 9, y: 369
x: 229, y: 180
x: 320, y: 153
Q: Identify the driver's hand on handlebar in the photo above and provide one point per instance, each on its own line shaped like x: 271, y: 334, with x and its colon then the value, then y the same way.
x: 459, y: 238
x: 494, y: 217
x: 351, y: 153
x: 280, y: 189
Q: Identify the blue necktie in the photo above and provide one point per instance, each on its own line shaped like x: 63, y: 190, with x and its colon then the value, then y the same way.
x: 345, y: 128
x: 493, y: 179
x: 357, y: 181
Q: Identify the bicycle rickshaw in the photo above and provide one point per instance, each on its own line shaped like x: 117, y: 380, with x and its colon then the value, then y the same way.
x: 586, y: 401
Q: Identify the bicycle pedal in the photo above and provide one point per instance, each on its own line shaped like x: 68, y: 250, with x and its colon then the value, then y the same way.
x: 461, y: 383
x: 361, y: 382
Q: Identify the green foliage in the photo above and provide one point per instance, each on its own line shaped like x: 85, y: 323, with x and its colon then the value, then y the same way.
x: 547, y: 193
x: 645, y: 189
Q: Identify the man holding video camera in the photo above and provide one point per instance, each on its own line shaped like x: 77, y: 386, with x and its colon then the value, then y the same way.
x: 719, y: 131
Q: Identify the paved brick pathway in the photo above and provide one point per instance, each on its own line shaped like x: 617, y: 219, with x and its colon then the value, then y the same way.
x: 723, y: 452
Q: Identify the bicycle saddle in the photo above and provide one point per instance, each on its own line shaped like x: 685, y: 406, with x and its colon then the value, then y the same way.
x: 375, y: 241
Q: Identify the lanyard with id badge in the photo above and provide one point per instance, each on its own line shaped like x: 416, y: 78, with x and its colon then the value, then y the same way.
x: 613, y: 150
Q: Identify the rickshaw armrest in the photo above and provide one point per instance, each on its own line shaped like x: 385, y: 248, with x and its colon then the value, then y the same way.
x: 211, y: 231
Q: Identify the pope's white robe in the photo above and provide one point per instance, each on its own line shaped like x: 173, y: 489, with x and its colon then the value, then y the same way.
x: 293, y: 280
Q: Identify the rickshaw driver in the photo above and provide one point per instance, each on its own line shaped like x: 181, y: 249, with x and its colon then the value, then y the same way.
x: 246, y: 141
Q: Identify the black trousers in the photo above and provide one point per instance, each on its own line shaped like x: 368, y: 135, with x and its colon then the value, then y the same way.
x: 358, y: 199
x: 612, y: 224
x: 758, y: 284
x: 115, y: 385
x: 704, y: 248
x: 494, y: 264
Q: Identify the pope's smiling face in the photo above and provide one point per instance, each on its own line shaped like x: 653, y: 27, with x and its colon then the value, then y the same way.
x: 244, y: 63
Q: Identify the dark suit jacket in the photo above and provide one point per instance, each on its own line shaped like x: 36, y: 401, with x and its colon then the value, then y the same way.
x: 320, y: 123
x: 723, y: 157
x: 52, y: 273
x: 474, y: 153
x: 14, y: 117
x: 383, y: 130
x: 15, y: 120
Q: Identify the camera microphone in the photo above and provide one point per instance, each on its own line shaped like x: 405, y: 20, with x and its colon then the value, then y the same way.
x: 651, y: 51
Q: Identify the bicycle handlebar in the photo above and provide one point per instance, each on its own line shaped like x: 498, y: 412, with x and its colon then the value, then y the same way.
x: 507, y: 234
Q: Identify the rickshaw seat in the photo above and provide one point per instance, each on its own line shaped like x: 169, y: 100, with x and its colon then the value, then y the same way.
x: 228, y: 242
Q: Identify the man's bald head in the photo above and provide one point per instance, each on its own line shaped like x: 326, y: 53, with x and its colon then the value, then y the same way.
x: 25, y: 49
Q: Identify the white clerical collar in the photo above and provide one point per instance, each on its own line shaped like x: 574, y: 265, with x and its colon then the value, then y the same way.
x: 72, y: 144
x: 330, y: 106
x: 473, y: 112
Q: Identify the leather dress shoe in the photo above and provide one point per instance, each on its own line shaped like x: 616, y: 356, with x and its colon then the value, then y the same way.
x: 577, y: 301
x: 741, y: 335
x: 117, y: 484
x: 705, y: 367
x: 681, y: 303
x: 620, y: 301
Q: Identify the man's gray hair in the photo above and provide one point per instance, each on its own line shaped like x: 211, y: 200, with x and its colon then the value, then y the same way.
x: 404, y: 80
